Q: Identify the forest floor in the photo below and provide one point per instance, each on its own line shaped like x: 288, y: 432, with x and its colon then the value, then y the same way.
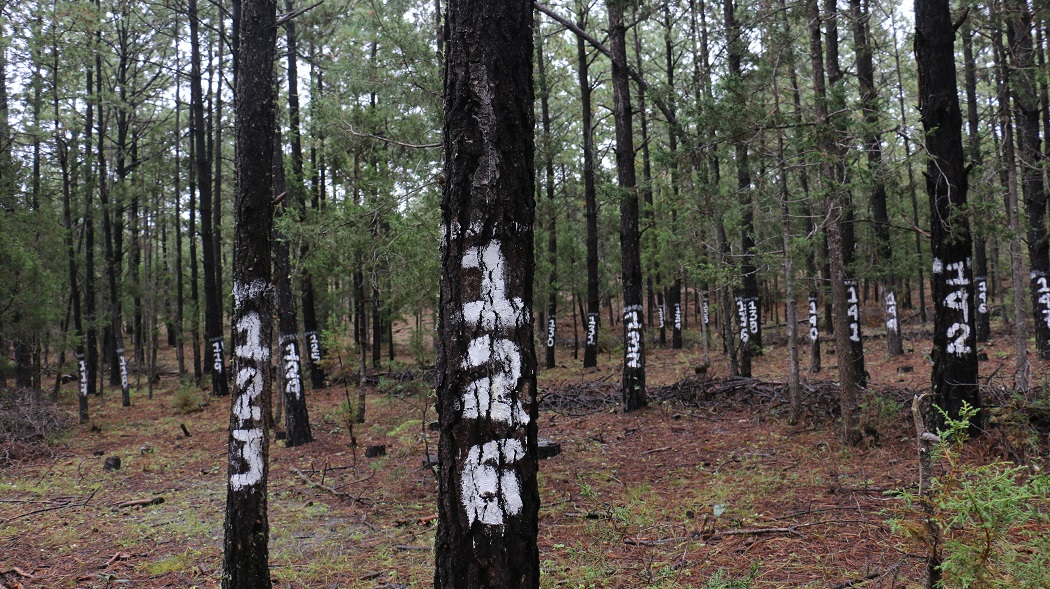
x: 707, y: 487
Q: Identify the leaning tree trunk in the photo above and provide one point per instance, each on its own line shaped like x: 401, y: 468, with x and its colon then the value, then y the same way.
x: 633, y: 385
x: 488, y: 500
x: 954, y: 343
x: 245, y: 556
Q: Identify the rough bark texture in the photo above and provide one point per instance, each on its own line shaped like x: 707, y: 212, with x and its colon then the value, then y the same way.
x: 590, y: 349
x: 1023, y: 77
x: 488, y: 499
x: 296, y: 417
x: 245, y: 555
x: 980, y: 257
x: 751, y: 320
x: 1009, y: 177
x: 633, y: 385
x: 311, y: 326
x: 954, y: 344
x: 836, y: 262
x: 215, y: 357
x: 873, y: 149
x: 552, y: 213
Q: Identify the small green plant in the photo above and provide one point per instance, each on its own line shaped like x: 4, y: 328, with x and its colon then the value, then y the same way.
x: 187, y: 399
x: 722, y: 579
x: 421, y: 346
x: 991, y: 518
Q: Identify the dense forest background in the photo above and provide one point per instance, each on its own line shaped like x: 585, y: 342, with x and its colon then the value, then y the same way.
x: 755, y: 125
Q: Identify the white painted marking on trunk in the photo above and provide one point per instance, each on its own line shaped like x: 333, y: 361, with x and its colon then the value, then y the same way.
x: 254, y: 290
x: 493, y: 396
x: 632, y: 321
x: 292, y: 380
x: 495, y: 310
x: 250, y: 452
x: 490, y: 488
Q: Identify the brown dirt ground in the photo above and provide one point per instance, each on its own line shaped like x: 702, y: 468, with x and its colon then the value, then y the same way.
x: 664, y: 497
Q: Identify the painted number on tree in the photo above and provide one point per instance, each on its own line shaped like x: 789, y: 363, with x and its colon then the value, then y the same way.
x: 632, y: 321
x: 853, y: 311
x: 814, y: 335
x: 490, y: 489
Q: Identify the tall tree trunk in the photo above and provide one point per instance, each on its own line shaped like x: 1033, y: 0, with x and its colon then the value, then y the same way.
x: 1021, y: 367
x: 831, y: 186
x: 246, y: 528
x: 1023, y: 77
x: 674, y: 292
x: 118, y: 373
x: 873, y: 150
x: 954, y: 343
x: 195, y: 299
x: 213, y: 328
x: 216, y: 156
x: 180, y: 320
x: 552, y: 214
x: 62, y: 149
x: 633, y: 385
x: 296, y: 417
x: 298, y: 188
x: 980, y: 257
x: 89, y: 246
x: 488, y: 499
x: 590, y: 194
x: 911, y: 175
x: 654, y: 294
x: 749, y: 306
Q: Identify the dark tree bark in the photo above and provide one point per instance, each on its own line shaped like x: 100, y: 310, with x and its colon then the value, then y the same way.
x: 980, y: 256
x: 836, y: 148
x: 180, y: 322
x: 91, y: 356
x: 590, y: 349
x: 245, y: 556
x: 296, y: 416
x: 63, y: 152
x: 873, y: 150
x: 911, y: 182
x: 633, y: 386
x: 298, y: 189
x: 213, y: 328
x: 954, y: 343
x: 195, y: 299
x: 488, y: 498
x: 552, y: 218
x: 1008, y: 176
x: 749, y: 307
x: 832, y: 185
x: 674, y: 292
x: 654, y: 294
x: 1023, y: 77
x: 118, y: 368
